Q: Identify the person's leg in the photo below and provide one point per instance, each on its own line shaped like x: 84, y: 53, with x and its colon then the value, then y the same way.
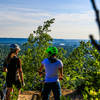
x: 18, y: 86
x: 56, y: 90
x: 9, y: 90
x: 1, y: 94
x: 19, y: 92
x: 46, y: 91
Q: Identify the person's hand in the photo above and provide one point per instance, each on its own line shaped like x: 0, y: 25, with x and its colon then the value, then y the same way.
x: 23, y: 84
x: 60, y: 77
x: 40, y: 73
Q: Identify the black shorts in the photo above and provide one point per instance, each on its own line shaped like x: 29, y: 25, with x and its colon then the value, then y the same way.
x: 10, y: 84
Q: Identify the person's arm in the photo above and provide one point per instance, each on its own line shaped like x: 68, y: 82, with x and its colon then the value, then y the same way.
x: 4, y: 69
x: 61, y: 73
x: 21, y: 74
x: 20, y: 71
x: 40, y: 69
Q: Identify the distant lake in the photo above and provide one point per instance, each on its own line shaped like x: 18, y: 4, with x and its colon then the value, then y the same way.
x: 12, y: 40
x: 58, y: 42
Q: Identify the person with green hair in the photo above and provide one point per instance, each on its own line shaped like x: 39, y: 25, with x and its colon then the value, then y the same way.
x: 52, y: 66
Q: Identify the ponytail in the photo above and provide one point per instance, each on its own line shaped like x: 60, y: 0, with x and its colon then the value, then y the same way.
x: 9, y: 56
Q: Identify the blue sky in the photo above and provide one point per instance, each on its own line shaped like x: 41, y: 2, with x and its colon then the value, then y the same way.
x: 74, y: 19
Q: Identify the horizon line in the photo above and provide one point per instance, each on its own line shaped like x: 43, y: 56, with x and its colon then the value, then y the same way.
x: 53, y: 38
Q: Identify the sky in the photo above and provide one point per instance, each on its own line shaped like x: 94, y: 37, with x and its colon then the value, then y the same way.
x: 74, y: 19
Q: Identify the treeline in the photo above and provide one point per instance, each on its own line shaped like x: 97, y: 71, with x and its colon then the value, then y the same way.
x: 81, y: 66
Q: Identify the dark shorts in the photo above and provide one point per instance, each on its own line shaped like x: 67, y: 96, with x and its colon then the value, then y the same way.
x: 10, y: 84
x: 55, y: 87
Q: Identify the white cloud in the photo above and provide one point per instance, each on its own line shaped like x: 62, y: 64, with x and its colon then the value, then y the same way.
x: 75, y: 25
x: 19, y: 22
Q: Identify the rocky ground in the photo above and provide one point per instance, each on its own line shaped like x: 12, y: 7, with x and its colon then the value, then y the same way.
x: 35, y: 95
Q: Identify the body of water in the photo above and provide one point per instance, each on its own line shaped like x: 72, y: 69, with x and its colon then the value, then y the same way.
x: 57, y: 42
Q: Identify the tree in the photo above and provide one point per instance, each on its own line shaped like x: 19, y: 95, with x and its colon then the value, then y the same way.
x: 34, y: 51
x: 83, y: 71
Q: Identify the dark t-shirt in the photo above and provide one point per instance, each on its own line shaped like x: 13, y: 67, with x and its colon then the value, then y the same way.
x: 12, y: 67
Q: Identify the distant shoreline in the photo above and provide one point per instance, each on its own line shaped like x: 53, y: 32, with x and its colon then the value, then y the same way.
x: 55, y: 42
x: 54, y: 38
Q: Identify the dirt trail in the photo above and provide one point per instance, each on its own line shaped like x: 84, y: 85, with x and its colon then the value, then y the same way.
x: 35, y: 95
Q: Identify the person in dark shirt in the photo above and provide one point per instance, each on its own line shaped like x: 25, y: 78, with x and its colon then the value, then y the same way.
x: 12, y: 65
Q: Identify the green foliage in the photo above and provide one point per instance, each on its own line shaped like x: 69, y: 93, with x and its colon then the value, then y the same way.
x: 64, y: 98
x: 14, y: 94
x: 34, y: 52
x: 2, y: 79
x: 3, y: 52
x: 82, y: 71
